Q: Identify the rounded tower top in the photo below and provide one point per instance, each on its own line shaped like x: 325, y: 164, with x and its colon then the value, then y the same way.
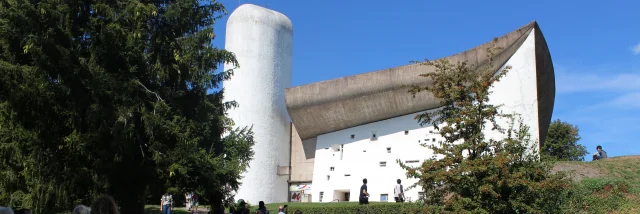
x: 255, y: 13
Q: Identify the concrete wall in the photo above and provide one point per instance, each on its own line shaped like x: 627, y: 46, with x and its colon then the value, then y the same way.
x: 360, y: 157
x: 517, y: 90
x: 302, y: 158
x: 262, y: 41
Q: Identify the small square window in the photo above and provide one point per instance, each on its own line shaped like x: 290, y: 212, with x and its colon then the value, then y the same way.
x: 347, y: 175
x: 433, y: 139
x: 388, y: 149
x: 353, y: 136
x: 328, y: 177
x: 406, y: 132
x: 430, y: 131
x: 332, y: 168
x: 383, y: 163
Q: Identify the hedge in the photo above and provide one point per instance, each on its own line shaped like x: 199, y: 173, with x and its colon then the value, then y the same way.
x: 341, y: 208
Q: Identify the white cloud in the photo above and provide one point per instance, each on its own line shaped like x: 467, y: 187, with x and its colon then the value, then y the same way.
x: 585, y: 82
x: 631, y: 100
x: 636, y: 49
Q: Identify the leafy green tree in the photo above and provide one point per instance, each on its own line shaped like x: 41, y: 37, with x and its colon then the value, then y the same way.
x: 562, y: 143
x: 112, y: 97
x: 471, y: 172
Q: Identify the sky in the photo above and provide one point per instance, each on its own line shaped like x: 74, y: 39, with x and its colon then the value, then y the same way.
x: 595, y: 48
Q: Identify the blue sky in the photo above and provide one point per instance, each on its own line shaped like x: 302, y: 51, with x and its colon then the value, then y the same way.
x: 595, y: 47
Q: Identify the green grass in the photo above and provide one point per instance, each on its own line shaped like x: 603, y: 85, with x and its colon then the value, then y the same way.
x: 615, y: 189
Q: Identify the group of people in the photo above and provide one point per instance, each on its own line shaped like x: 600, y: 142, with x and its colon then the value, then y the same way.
x: 262, y: 209
x: 192, y: 200
x: 398, y: 192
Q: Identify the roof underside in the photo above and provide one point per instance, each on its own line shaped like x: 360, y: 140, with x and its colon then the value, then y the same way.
x: 341, y: 103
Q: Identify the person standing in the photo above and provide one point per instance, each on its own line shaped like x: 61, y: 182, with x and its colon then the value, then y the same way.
x: 195, y: 200
x: 261, y: 208
x: 600, y: 154
x: 364, y: 195
x: 166, y: 203
x: 187, y: 199
x: 398, y: 192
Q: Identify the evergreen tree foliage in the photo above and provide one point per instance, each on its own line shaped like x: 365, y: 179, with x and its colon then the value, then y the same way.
x: 111, y: 97
x: 562, y: 143
x: 471, y: 172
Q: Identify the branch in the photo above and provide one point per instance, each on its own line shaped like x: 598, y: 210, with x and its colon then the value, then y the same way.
x: 149, y: 91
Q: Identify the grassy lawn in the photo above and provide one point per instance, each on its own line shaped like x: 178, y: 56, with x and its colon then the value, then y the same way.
x: 606, y: 186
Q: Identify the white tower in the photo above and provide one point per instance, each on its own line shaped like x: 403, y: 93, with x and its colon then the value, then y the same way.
x: 262, y: 41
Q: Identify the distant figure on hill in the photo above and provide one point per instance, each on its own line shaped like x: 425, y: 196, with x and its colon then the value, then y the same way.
x: 104, y: 205
x: 261, y: 208
x: 364, y: 195
x: 81, y: 209
x: 600, y: 154
x: 398, y: 192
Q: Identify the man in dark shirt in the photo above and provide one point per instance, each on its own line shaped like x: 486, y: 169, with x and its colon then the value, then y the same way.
x: 601, y: 154
x: 364, y: 195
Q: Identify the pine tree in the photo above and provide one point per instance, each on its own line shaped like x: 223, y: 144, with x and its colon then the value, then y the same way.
x: 114, y: 97
x: 469, y: 171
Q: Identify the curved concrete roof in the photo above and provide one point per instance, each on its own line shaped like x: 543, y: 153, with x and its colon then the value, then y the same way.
x: 341, y: 103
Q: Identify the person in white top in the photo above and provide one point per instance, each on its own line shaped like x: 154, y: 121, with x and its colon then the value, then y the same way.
x: 187, y: 197
x: 398, y: 192
x: 166, y: 203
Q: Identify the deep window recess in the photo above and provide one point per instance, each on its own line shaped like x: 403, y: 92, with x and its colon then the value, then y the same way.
x: 374, y: 135
x: 332, y: 168
x: 328, y: 177
x: 364, y: 150
x: 406, y: 132
x: 388, y: 149
x: 384, y: 197
x: 347, y: 175
x: 433, y: 139
x: 353, y: 136
x: 383, y: 163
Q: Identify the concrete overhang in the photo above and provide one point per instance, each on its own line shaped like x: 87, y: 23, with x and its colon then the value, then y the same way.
x: 341, y: 103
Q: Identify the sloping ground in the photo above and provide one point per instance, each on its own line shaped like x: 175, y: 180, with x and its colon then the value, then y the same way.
x: 626, y: 167
x: 606, y: 186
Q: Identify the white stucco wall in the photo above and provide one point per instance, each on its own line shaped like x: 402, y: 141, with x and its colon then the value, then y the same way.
x: 262, y: 41
x: 517, y: 91
x: 361, y: 158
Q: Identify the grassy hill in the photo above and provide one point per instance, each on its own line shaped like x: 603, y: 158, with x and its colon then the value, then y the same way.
x: 606, y: 186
